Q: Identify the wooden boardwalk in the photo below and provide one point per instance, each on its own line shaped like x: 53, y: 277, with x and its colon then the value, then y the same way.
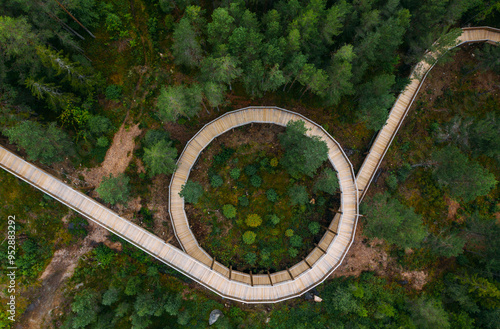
x: 323, y: 259
x: 403, y: 104
x: 197, y: 264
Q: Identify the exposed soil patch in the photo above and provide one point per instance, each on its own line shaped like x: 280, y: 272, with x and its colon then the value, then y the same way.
x: 453, y: 207
x: 118, y: 156
x: 371, y: 256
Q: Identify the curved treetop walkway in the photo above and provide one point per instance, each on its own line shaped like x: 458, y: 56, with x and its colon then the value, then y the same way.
x: 403, y: 103
x: 239, y: 286
x: 318, y: 264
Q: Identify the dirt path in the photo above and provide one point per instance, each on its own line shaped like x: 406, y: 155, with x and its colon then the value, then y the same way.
x: 50, y: 293
x: 118, y: 156
x: 371, y: 256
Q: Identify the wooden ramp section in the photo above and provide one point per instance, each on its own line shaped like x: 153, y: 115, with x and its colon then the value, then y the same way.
x: 323, y: 259
x: 403, y: 104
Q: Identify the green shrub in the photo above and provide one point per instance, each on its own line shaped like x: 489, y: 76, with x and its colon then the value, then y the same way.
x: 289, y: 232
x: 256, y: 181
x: 235, y: 173
x: 250, y: 258
x: 298, y: 195
x: 250, y: 170
x: 113, y: 92
x: 296, y: 241
x: 191, y: 191
x: 229, y: 211
x: 249, y: 237
x: 264, y: 162
x: 153, y: 137
x: 313, y: 227
x: 274, y: 162
x: 392, y: 181
x: 274, y: 219
x: 243, y: 201
x: 102, y: 142
x: 253, y: 220
x: 224, y: 155
x: 293, y: 252
x: 327, y: 182
x: 404, y: 172
x: 114, y: 189
x: 216, y: 181
x: 272, y: 195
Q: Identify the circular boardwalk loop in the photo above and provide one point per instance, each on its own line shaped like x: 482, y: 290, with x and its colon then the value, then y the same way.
x: 403, y: 104
x: 322, y: 260
x: 199, y: 266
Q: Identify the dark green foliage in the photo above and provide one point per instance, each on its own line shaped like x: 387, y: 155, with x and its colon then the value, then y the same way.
x: 446, y: 245
x: 272, y: 195
x: 274, y: 219
x: 251, y: 258
x: 375, y: 100
x: 111, y: 296
x: 102, y: 142
x: 485, y: 135
x: 249, y: 237
x: 98, y: 125
x: 103, y: 255
x: 176, y: 101
x: 216, y: 181
x: 250, y: 170
x: 153, y: 137
x: 489, y: 58
x: 388, y: 219
x: 47, y: 144
x: 243, y: 201
x: 314, y: 227
x: 191, y: 191
x: 235, y: 173
x: 465, y: 179
x: 86, y: 307
x: 173, y: 304
x: 113, y: 92
x: 392, y: 181
x: 224, y: 155
x: 303, y: 154
x: 229, y: 211
x: 404, y: 172
x: 256, y: 181
x: 428, y: 313
x: 296, y: 241
x: 298, y: 195
x: 293, y: 252
x: 133, y: 286
x: 327, y: 182
x: 187, y: 47
x: 114, y: 189
x: 160, y: 158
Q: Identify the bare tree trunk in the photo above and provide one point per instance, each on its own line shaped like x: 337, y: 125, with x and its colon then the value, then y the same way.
x: 60, y: 5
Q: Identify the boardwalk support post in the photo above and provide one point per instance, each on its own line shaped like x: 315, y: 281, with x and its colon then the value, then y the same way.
x: 305, y: 260
x: 213, y: 262
x: 230, y: 271
x: 329, y: 229
x: 270, y: 280
x: 290, y: 273
x: 317, y: 245
x: 251, y: 278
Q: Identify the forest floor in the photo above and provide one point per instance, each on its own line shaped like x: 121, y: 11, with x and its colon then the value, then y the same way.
x: 49, y: 291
